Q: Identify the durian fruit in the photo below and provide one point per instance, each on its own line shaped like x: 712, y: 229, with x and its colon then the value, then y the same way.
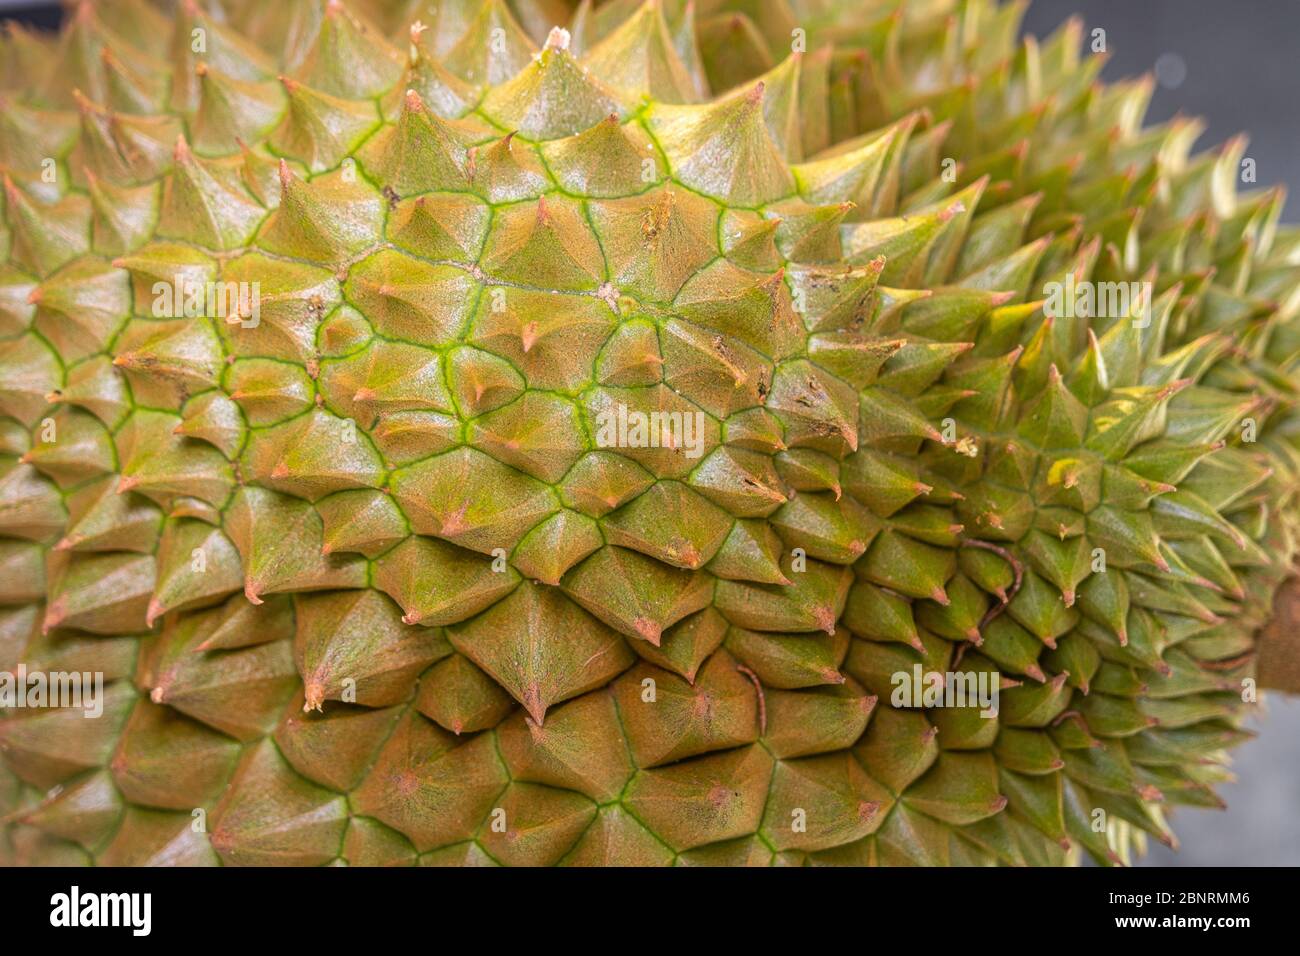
x: 330, y: 335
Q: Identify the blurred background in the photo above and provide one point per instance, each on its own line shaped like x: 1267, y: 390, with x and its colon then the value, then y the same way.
x: 34, y: 14
x: 1234, y: 63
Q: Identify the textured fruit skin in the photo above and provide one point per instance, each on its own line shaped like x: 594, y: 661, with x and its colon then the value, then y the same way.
x: 367, y: 584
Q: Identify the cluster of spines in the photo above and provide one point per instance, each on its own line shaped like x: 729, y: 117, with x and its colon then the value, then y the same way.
x: 823, y: 380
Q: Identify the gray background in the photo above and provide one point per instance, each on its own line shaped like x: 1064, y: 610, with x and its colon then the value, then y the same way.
x: 1235, y: 63
x: 1241, y: 63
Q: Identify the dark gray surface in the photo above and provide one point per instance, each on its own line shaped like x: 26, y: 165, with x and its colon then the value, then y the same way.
x: 1261, y: 826
x: 1240, y: 71
x: 1240, y: 66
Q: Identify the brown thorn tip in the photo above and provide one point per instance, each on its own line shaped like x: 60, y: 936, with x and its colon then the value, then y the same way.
x: 54, y: 616
x: 648, y: 629
x: 558, y: 39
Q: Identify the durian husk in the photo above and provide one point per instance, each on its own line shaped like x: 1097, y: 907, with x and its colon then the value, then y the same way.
x: 294, y: 771
x: 1279, y: 641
